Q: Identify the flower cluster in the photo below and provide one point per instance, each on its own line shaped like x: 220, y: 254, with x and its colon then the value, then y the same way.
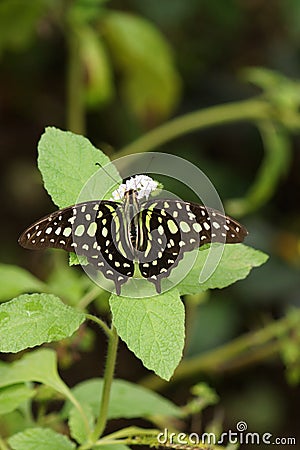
x: 141, y: 184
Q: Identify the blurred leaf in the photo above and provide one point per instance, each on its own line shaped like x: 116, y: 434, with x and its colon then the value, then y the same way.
x: 77, y: 427
x: 14, y: 281
x: 31, y: 320
x: 66, y: 282
x: 290, y: 352
x: 276, y: 161
x: 127, y: 400
x: 41, y: 439
x: 39, y: 366
x: 151, y: 84
x: 153, y: 328
x: 236, y: 263
x: 14, y: 422
x: 18, y: 22
x: 99, y: 86
x: 205, y: 396
x: 75, y: 260
x: 84, y: 11
x: 12, y: 396
x: 67, y: 161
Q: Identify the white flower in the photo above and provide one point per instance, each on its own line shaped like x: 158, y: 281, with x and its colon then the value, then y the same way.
x: 119, y: 193
x: 141, y: 184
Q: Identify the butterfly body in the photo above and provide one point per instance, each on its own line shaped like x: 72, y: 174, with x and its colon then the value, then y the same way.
x: 113, y: 235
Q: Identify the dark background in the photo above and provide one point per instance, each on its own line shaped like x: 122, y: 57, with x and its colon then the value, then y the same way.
x: 212, y: 41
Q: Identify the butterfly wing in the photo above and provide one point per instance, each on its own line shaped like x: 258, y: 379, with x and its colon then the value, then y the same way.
x: 92, y: 229
x: 158, y: 245
x: 170, y: 228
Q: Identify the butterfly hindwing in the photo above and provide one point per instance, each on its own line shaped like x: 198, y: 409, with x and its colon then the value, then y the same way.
x: 169, y: 228
x: 158, y: 245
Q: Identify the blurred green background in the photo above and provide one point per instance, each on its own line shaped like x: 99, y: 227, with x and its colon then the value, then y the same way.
x: 114, y: 71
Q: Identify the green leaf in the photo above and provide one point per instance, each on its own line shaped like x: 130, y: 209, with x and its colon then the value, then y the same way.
x: 236, y: 263
x: 66, y: 282
x: 151, y: 84
x: 41, y: 439
x: 74, y: 259
x: 77, y: 428
x: 127, y: 400
x: 99, y: 87
x: 153, y: 328
x: 13, y: 396
x: 67, y: 161
x: 33, y: 319
x: 14, y: 281
x: 83, y: 11
x: 38, y: 366
x: 15, y: 421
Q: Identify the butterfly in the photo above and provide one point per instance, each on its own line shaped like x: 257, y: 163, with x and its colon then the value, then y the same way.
x: 115, y: 234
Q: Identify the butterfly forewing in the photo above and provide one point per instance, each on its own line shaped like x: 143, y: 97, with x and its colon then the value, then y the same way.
x: 92, y: 229
x: 52, y: 231
x: 216, y: 227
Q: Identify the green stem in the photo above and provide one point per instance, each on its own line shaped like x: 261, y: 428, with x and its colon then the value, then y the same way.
x: 108, y: 378
x: 245, y: 350
x: 129, y: 432
x: 78, y: 406
x: 100, y: 322
x: 3, y: 445
x: 75, y: 97
x: 138, y: 436
x: 247, y: 110
x: 89, y: 297
x: 276, y: 160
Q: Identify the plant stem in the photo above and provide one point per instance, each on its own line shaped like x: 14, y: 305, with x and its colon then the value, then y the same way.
x: 247, y: 110
x: 78, y: 406
x: 245, y: 350
x: 99, y: 322
x: 108, y: 378
x: 89, y: 297
x: 3, y: 445
x: 130, y: 431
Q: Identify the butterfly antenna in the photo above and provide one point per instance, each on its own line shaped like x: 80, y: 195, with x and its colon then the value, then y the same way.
x: 110, y: 176
x: 147, y: 169
x: 107, y: 173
